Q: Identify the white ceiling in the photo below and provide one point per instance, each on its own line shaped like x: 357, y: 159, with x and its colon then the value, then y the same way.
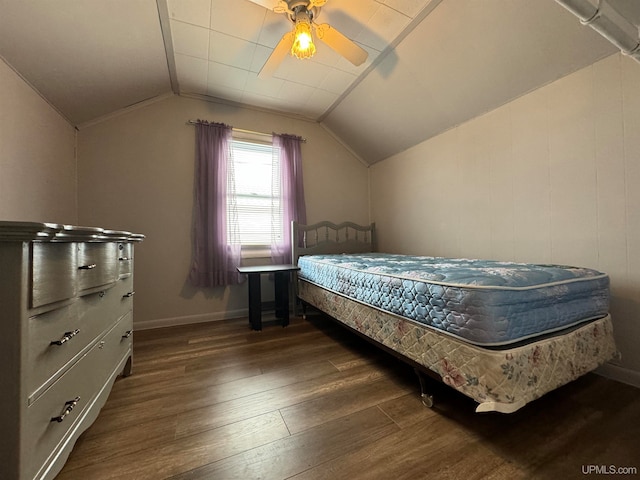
x: 220, y: 46
x: 432, y: 63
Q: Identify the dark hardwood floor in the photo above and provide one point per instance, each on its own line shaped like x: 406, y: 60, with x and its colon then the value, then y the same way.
x: 313, y: 401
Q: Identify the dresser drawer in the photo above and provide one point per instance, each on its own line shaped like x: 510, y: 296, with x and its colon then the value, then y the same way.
x: 124, y: 291
x: 97, y: 264
x: 43, y: 432
x: 99, y: 311
x: 53, y: 272
x: 119, y: 343
x: 53, y: 339
x: 42, y: 435
x: 125, y: 259
x: 56, y: 337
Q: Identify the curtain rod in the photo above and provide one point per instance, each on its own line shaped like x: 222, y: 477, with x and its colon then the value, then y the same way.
x: 240, y: 130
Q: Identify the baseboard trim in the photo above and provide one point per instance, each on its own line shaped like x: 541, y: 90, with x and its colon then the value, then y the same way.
x: 190, y: 319
x: 620, y: 374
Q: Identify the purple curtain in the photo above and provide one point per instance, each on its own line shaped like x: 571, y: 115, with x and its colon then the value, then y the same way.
x: 216, y: 253
x: 292, y: 194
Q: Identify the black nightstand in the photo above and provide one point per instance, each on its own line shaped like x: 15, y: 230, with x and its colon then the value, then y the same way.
x: 281, y: 274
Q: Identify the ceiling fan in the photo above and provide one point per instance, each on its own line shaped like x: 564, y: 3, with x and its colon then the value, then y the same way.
x: 299, y: 41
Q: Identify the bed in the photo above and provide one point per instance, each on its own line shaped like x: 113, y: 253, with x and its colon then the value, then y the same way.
x: 501, y: 333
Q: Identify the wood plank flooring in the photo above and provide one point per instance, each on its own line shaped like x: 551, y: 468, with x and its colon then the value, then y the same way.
x: 313, y: 401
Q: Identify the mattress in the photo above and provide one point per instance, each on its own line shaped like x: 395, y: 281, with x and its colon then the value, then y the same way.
x: 486, y: 303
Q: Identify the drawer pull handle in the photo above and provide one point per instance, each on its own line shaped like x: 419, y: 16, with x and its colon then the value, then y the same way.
x: 68, y: 407
x: 128, y: 295
x: 87, y: 267
x: 124, y: 259
x: 127, y: 334
x: 67, y: 336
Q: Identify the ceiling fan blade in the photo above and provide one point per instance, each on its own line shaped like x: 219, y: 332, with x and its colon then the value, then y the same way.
x: 278, y: 6
x: 276, y: 57
x: 341, y: 44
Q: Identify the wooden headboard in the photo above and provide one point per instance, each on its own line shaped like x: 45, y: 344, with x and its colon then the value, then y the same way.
x: 329, y: 238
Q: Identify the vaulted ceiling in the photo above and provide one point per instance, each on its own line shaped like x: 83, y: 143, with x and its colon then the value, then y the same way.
x: 432, y: 64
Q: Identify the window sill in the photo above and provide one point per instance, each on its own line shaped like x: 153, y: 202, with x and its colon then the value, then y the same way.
x: 256, y: 253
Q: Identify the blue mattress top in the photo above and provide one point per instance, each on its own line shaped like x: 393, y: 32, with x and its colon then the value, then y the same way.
x: 484, y: 302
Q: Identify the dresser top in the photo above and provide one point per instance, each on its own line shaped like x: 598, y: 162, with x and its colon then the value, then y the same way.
x: 53, y: 232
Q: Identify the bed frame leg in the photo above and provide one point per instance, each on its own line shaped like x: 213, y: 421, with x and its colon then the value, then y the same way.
x: 427, y: 399
x: 297, y: 303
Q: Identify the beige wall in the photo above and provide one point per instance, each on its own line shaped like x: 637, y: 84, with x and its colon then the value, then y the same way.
x: 136, y: 173
x: 552, y: 177
x: 37, y: 157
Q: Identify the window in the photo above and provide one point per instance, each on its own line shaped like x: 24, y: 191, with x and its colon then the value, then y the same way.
x: 255, y: 173
x: 265, y: 173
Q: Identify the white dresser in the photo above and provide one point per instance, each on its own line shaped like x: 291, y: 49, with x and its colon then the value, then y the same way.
x: 66, y: 322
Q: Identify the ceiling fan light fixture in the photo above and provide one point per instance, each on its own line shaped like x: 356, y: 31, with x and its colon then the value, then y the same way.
x: 303, y: 46
x: 298, y: 42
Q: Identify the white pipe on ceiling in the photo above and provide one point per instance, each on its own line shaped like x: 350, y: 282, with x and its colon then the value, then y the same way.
x: 607, y: 21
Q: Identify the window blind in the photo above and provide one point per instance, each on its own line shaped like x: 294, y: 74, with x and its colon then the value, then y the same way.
x: 258, y: 207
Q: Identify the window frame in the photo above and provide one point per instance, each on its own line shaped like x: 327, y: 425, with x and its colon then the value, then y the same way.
x: 253, y: 250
